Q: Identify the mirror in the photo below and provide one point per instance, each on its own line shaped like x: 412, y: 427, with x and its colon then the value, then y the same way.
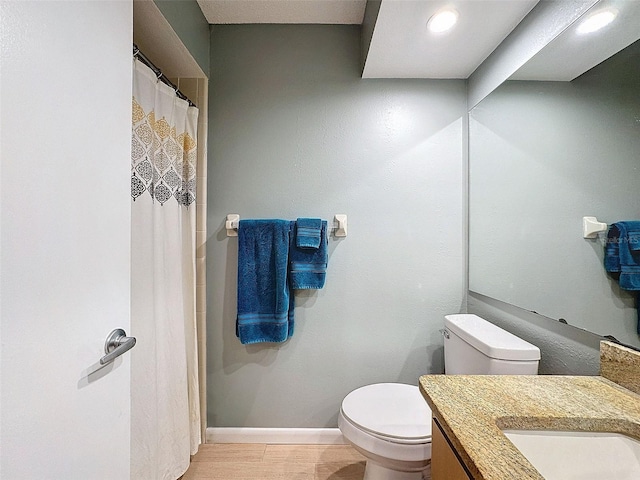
x: 558, y: 141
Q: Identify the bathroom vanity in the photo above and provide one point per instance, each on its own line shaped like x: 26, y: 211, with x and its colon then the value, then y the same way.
x: 448, y: 464
x: 471, y: 413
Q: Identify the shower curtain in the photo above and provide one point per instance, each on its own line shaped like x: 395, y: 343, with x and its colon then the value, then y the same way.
x: 165, y: 410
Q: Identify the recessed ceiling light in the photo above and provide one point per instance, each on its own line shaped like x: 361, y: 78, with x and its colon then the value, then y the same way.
x: 596, y: 21
x: 443, y: 20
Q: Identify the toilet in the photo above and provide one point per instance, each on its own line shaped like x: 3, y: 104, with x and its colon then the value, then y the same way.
x: 390, y: 423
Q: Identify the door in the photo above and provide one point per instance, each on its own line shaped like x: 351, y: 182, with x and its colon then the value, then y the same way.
x: 65, y: 238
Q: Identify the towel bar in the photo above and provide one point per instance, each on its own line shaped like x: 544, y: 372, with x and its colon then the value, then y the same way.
x: 591, y: 227
x: 339, y: 225
x: 232, y: 224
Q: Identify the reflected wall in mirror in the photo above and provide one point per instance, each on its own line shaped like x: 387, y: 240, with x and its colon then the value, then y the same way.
x: 544, y: 154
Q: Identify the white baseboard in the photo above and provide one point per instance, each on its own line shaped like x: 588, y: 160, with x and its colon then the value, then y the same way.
x: 294, y: 436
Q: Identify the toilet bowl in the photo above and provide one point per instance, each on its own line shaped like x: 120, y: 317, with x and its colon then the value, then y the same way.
x: 390, y: 423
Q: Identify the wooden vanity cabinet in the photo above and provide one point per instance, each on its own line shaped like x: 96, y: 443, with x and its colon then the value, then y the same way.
x: 445, y: 464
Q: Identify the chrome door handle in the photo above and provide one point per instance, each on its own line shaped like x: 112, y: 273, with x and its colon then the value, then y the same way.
x: 117, y: 343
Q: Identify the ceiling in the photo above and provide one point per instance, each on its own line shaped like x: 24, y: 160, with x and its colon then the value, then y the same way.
x: 401, y: 45
x: 349, y: 12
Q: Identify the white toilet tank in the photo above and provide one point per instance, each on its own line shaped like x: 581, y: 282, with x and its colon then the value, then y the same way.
x: 473, y: 346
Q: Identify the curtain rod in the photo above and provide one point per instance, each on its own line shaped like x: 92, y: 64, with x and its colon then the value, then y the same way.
x: 142, y: 57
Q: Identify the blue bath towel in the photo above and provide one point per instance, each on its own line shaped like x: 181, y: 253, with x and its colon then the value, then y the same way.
x: 265, y: 303
x: 622, y: 257
x: 308, y: 232
x: 308, y: 267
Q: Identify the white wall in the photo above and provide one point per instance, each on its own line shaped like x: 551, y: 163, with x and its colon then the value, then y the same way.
x: 65, y: 203
x: 295, y: 131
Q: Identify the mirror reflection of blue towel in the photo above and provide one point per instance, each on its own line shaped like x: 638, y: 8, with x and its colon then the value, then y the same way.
x: 622, y: 257
x: 265, y: 303
x: 622, y: 254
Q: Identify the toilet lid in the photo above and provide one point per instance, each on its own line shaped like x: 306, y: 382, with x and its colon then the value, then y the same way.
x: 393, y: 410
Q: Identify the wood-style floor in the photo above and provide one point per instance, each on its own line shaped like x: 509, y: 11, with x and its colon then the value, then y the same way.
x: 276, y: 462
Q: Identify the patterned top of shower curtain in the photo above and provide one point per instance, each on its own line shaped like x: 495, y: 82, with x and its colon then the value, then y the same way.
x: 163, y: 150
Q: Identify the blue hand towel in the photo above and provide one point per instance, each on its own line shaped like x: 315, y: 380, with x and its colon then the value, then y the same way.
x: 265, y: 303
x: 308, y: 232
x: 308, y: 267
x: 622, y: 257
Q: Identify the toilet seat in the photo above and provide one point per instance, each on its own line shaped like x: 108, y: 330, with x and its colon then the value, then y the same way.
x: 392, y: 412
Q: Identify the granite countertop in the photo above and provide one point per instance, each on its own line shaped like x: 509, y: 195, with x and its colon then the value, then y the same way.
x: 473, y: 410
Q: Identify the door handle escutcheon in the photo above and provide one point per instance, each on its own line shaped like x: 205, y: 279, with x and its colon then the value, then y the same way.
x: 117, y: 343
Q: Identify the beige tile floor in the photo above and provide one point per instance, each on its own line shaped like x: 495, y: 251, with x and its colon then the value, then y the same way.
x: 276, y: 462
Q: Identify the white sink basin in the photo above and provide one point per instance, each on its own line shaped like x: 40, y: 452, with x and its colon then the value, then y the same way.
x: 579, y: 455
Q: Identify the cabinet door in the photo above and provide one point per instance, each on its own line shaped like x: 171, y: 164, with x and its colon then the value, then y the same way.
x: 444, y: 462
